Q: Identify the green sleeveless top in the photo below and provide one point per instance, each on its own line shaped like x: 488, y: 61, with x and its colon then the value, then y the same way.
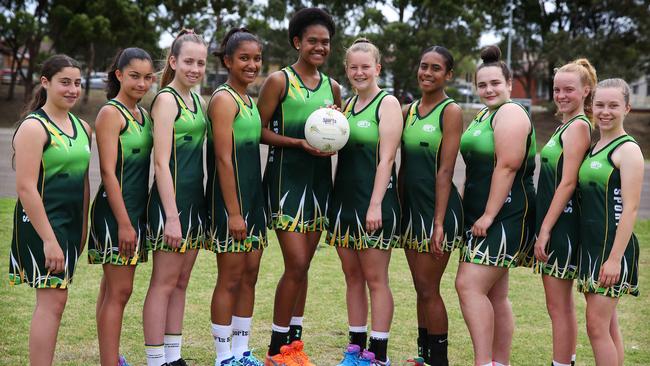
x: 246, y: 134
x: 132, y: 167
x: 550, y: 174
x: 186, y: 167
x: 478, y: 151
x: 419, y: 132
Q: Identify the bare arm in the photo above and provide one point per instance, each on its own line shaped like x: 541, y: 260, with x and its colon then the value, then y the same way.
x: 163, y: 113
x: 629, y: 159
x: 575, y: 142
x: 223, y: 110
x: 511, y: 129
x: 390, y: 133
x: 451, y: 132
x: 28, y: 142
x: 108, y: 135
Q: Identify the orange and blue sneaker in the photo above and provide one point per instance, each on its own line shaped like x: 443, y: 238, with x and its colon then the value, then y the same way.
x: 276, y: 360
x: 365, y: 358
x: 298, y: 354
x: 350, y: 355
x: 417, y: 361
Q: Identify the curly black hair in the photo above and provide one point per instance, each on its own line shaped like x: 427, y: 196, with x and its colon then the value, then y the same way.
x: 303, y: 18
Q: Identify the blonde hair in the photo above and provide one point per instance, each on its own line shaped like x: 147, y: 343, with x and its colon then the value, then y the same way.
x: 617, y: 83
x: 587, y: 75
x: 185, y: 35
x: 363, y: 45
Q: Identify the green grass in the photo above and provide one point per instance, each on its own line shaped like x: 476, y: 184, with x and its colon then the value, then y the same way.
x: 325, y: 319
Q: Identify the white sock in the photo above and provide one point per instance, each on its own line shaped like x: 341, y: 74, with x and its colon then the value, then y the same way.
x: 173, y: 344
x: 222, y: 335
x: 241, y: 330
x: 555, y: 363
x: 379, y: 335
x: 296, y: 320
x: 488, y: 364
x: 155, y: 355
x: 358, y: 328
x: 279, y: 329
x: 573, y: 358
x: 498, y: 364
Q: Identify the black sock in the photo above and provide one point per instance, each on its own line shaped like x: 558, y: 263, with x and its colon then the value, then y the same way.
x: 422, y: 342
x: 295, y: 333
x: 378, y: 347
x: 438, y: 349
x: 573, y: 363
x: 358, y: 338
x: 278, y: 339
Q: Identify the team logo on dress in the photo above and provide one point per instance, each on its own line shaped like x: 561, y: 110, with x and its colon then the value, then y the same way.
x: 428, y: 128
x: 596, y: 165
x: 363, y: 124
x: 476, y: 133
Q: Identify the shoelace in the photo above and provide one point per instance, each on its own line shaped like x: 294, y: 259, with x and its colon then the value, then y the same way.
x: 250, y: 361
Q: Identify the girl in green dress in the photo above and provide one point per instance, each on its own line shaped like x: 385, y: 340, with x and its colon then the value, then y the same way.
x: 364, y: 211
x: 609, y: 182
x: 432, y: 211
x: 52, y: 152
x: 298, y: 177
x: 557, y: 242
x: 175, y: 212
x: 237, y: 217
x: 499, y: 152
x: 117, y: 218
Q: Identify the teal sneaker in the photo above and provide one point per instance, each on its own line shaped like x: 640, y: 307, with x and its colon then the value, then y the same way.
x: 249, y: 360
x: 230, y: 362
x: 417, y: 361
x: 121, y: 361
x: 365, y: 358
x: 351, y: 355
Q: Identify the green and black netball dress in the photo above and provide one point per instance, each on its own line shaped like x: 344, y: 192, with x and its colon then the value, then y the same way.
x: 64, y: 165
x: 132, y: 172
x: 421, y: 144
x: 297, y: 183
x: 562, y: 247
x: 246, y: 132
x: 186, y: 167
x: 601, y: 205
x: 509, y: 240
x: 353, y: 184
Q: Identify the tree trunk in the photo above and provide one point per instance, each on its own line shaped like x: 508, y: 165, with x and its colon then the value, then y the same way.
x: 90, y: 67
x: 33, y: 46
x: 14, y: 75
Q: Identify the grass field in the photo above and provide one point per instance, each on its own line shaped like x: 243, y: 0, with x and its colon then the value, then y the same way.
x: 325, y: 318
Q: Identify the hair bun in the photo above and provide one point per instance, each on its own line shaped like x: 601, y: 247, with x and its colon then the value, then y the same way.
x: 490, y: 54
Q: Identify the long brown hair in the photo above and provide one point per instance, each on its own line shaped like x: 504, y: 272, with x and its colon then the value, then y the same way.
x: 185, y: 35
x: 50, y: 67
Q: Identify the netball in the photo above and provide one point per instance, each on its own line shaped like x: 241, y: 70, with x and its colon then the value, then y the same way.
x: 327, y: 130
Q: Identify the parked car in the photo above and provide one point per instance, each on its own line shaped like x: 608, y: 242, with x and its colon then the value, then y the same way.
x: 5, y: 76
x: 97, y: 80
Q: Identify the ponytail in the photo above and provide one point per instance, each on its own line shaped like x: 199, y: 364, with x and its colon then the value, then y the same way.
x: 588, y: 78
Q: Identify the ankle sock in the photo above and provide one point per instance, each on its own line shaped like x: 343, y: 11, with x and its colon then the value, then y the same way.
x: 358, y: 335
x: 173, y: 343
x: 241, y: 328
x: 437, y: 350
x: 379, y: 345
x: 295, y: 328
x: 279, y: 338
x: 222, y: 335
x: 155, y: 354
x: 422, y: 343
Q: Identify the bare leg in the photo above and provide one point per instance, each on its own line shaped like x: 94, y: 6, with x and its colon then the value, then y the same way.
x: 427, y: 277
x: 600, y: 311
x: 45, y: 324
x: 246, y: 299
x: 356, y: 296
x: 617, y: 337
x: 504, y: 322
x: 561, y: 309
x: 473, y: 283
x: 118, y: 285
x: 313, y: 237
x: 230, y: 267
x: 374, y: 263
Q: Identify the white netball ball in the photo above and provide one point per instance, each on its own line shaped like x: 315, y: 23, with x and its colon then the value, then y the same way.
x: 327, y: 130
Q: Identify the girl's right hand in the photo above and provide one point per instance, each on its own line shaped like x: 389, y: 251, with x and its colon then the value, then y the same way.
x: 127, y: 238
x: 312, y: 150
x: 173, y: 236
x: 237, y: 227
x: 54, y: 259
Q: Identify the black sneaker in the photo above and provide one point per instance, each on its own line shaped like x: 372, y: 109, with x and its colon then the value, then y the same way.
x: 179, y: 362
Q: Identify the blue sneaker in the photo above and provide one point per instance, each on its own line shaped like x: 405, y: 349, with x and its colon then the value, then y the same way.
x: 365, y: 358
x: 249, y: 360
x: 230, y: 362
x: 121, y: 361
x: 381, y: 363
x: 350, y: 355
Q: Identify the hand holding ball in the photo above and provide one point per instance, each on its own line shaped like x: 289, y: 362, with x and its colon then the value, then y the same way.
x: 327, y: 130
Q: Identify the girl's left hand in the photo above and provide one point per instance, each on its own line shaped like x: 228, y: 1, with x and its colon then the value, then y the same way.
x: 373, y: 218
x: 437, y: 239
x: 482, y: 225
x: 610, y: 273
